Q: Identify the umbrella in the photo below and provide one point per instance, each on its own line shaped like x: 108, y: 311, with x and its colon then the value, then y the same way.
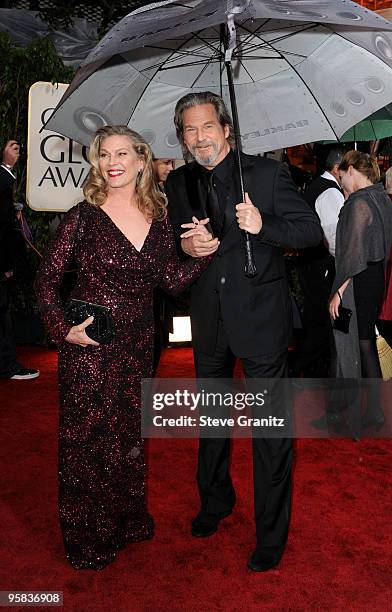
x: 296, y: 77
x: 375, y: 127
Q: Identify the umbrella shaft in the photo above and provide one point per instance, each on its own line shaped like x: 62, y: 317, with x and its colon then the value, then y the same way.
x: 236, y: 124
x: 250, y: 266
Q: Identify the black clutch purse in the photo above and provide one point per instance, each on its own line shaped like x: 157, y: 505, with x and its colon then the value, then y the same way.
x: 342, y: 322
x: 101, y: 329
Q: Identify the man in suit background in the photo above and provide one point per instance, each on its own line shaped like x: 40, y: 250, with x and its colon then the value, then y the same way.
x: 9, y: 365
x: 316, y: 273
x: 232, y: 315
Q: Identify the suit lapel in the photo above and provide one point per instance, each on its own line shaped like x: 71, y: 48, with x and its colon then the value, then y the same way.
x: 195, y: 194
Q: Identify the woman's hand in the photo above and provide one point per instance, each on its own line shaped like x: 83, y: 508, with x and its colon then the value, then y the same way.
x: 77, y: 334
x: 335, y: 302
x: 198, y: 241
x: 334, y: 306
x: 196, y: 228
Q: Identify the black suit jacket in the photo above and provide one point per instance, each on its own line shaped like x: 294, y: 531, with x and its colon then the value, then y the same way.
x: 7, y: 221
x: 256, y: 311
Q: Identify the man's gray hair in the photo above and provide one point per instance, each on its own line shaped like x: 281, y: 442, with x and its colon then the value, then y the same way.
x: 334, y: 157
x: 195, y: 99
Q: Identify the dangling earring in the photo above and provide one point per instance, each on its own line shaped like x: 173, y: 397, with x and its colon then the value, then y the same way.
x: 139, y: 177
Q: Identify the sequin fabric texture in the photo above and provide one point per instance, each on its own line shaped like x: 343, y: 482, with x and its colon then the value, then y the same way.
x: 101, y: 454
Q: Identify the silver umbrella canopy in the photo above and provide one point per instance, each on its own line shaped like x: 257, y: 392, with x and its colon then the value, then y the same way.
x: 287, y: 76
x: 375, y: 127
x: 297, y: 77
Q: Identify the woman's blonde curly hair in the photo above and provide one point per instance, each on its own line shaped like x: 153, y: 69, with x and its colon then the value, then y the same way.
x: 150, y: 199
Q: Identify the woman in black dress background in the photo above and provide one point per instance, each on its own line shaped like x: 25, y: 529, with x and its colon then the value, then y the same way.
x: 363, y: 241
x: 123, y: 247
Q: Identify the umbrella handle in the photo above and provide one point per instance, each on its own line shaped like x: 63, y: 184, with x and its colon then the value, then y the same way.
x: 250, y: 265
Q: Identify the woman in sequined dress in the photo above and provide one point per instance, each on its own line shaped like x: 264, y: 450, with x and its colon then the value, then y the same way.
x: 122, y: 244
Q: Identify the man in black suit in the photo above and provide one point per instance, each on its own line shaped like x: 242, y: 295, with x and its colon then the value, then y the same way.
x: 9, y: 366
x: 232, y: 315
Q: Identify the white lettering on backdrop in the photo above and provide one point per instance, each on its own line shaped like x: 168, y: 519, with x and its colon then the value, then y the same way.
x: 56, y: 166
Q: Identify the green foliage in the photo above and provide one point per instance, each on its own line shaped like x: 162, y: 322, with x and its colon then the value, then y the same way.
x: 60, y: 14
x: 19, y: 69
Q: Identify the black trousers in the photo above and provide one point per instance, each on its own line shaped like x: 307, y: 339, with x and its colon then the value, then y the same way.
x: 272, y: 457
x: 312, y: 356
x: 8, y: 361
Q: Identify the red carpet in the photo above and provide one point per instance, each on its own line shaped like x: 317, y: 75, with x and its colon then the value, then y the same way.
x: 338, y: 557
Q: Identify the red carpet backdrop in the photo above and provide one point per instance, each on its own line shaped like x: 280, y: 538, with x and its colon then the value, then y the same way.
x: 339, y: 552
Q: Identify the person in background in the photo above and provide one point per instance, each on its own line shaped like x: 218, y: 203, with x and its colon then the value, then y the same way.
x: 363, y: 243
x: 162, y: 168
x: 316, y: 271
x: 388, y: 182
x: 9, y: 364
x: 122, y: 244
x: 384, y: 323
x: 326, y: 195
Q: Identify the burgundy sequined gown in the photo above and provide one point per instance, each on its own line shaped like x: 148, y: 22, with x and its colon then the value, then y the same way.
x: 101, y: 459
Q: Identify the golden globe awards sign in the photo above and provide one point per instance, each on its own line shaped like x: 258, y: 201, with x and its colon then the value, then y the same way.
x: 56, y: 165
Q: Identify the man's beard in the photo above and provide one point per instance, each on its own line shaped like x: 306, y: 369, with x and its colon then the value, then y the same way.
x: 205, y: 160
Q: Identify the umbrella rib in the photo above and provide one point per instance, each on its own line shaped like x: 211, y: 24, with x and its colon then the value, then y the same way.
x: 177, y: 51
x: 147, y: 84
x: 190, y: 53
x: 251, y: 48
x: 263, y: 43
x: 244, y: 42
x: 187, y: 64
x: 268, y: 44
x: 309, y: 90
x: 316, y: 101
x: 247, y: 71
x: 173, y: 65
x: 196, y: 35
x: 217, y: 55
x: 210, y: 59
x: 202, y: 71
x: 268, y: 57
x: 205, y: 45
x: 256, y: 33
x: 173, y: 59
x: 185, y: 52
x: 296, y: 29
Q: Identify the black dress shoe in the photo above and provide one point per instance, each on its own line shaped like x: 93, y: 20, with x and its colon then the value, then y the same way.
x: 330, y: 420
x: 373, y: 420
x: 265, y: 558
x: 25, y: 374
x: 206, y: 524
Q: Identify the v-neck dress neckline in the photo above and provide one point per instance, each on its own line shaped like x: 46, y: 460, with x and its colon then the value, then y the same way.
x: 124, y: 236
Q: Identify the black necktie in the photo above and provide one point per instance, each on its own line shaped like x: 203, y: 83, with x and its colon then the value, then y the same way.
x: 213, y: 209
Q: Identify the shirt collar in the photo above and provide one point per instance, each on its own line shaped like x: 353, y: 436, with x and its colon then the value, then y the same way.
x: 330, y: 177
x: 8, y: 170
